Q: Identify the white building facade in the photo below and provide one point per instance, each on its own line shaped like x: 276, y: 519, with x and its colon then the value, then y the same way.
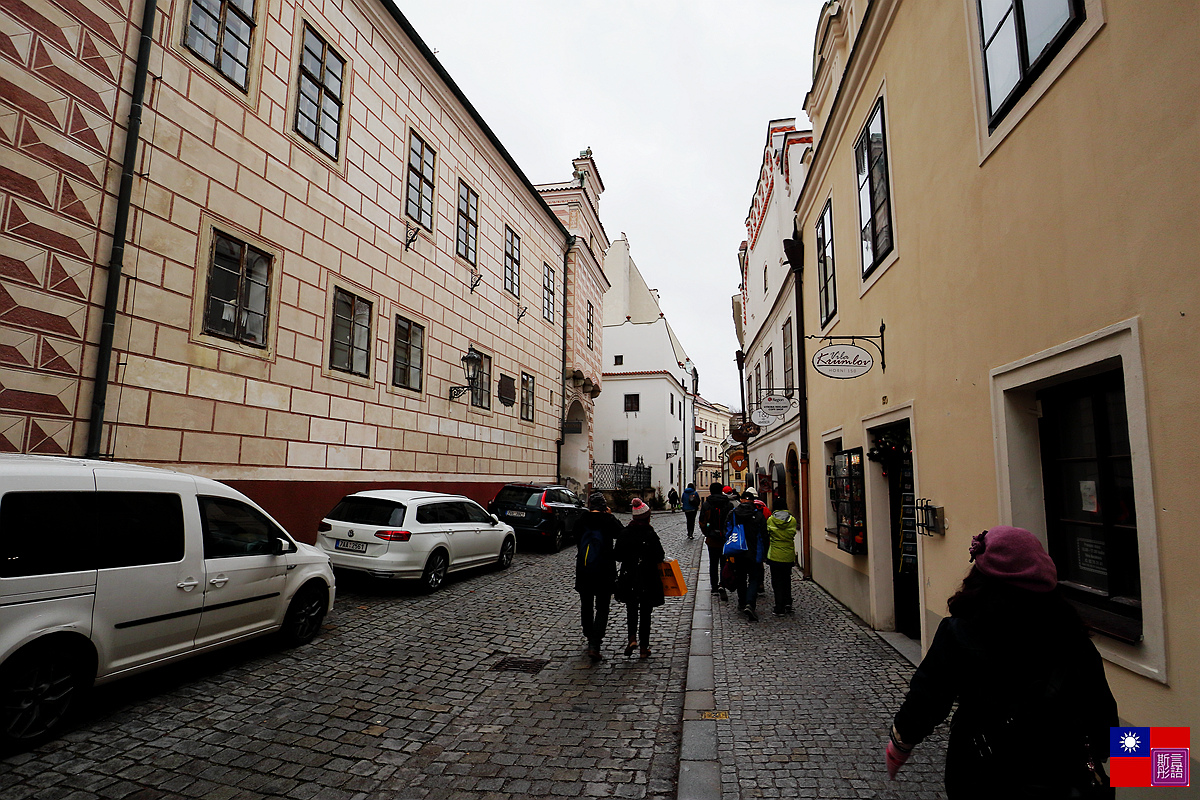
x: 647, y: 412
x: 712, y: 428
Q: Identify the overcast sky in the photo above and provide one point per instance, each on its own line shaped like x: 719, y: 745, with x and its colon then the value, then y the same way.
x: 673, y: 98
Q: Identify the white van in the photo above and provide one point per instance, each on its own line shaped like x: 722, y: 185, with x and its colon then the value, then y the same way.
x: 107, y: 569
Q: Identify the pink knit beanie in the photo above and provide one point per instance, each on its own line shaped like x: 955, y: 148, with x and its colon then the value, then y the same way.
x: 1014, y: 555
x: 640, y: 509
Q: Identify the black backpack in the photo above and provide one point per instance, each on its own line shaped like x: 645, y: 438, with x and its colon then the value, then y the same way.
x: 595, y: 553
x: 712, y: 515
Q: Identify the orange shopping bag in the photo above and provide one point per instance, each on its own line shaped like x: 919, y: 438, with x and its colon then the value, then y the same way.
x: 672, y: 578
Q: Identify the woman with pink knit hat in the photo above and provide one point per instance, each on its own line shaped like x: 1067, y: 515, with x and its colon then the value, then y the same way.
x: 640, y: 552
x: 1034, y: 707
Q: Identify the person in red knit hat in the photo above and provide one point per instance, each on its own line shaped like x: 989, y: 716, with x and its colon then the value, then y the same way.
x: 1034, y: 707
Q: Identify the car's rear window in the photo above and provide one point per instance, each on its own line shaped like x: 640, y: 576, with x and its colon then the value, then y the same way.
x: 368, y: 511
x: 519, y: 495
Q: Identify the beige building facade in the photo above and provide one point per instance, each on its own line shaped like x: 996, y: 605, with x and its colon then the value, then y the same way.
x: 1031, y: 270
x: 320, y: 228
x: 712, y: 429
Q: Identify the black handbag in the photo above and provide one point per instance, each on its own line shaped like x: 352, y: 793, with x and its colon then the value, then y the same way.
x: 623, y: 588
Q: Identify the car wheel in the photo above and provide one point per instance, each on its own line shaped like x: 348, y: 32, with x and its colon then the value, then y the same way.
x: 305, y: 614
x: 507, y: 550
x: 40, y: 687
x: 435, y: 571
x: 556, y: 539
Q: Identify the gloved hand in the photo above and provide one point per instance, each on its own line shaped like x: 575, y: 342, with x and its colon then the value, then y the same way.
x: 895, y: 759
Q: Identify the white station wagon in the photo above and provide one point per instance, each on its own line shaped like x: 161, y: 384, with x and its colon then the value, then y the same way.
x: 401, y: 533
x: 107, y: 569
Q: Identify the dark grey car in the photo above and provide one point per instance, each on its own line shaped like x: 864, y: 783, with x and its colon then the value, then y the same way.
x: 545, y: 511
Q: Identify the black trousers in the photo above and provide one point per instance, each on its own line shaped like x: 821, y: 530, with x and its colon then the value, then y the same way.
x: 638, y: 616
x: 714, y: 564
x: 691, y: 521
x: 781, y: 584
x: 594, y: 616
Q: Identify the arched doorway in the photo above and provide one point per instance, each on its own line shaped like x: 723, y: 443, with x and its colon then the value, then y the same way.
x: 576, y: 461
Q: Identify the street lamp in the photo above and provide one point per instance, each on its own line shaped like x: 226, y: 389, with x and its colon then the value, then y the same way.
x: 470, y: 362
x: 675, y: 444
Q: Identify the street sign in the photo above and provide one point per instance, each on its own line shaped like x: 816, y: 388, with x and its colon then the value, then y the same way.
x: 776, y: 405
x: 842, y: 361
x: 751, y: 429
x: 760, y: 417
x: 737, y: 460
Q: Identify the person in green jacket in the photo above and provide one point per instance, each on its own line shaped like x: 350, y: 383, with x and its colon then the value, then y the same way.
x: 781, y: 556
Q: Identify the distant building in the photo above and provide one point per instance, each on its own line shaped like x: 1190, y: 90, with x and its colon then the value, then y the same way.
x: 320, y: 228
x: 646, y: 415
x: 712, y: 428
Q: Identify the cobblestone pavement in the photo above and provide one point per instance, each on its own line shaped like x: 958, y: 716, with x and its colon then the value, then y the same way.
x: 810, y: 698
x: 397, y: 698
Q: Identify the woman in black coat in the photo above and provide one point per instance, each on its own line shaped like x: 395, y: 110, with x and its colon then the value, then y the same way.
x: 1034, y: 707
x: 640, y: 583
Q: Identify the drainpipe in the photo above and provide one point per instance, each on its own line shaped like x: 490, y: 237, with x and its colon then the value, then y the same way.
x: 116, y: 260
x: 562, y: 414
x: 794, y: 249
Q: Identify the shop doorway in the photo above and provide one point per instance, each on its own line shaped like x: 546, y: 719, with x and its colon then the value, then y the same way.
x: 892, y: 449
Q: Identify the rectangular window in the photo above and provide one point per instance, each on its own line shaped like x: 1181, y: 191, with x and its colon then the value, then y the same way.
x: 350, y: 342
x: 481, y: 392
x: 319, y: 104
x: 408, y: 354
x: 633, y: 402
x: 422, y: 170
x: 548, y: 292
x: 618, y: 361
x: 769, y: 357
x: 621, y: 451
x: 874, y: 198
x: 757, y: 385
x: 1091, y: 519
x: 512, y: 262
x: 238, y: 296
x: 526, y: 397
x: 788, y: 376
x: 1019, y: 37
x: 219, y: 32
x: 848, y: 494
x: 468, y: 221
x: 590, y: 326
x: 826, y: 280
x: 672, y: 404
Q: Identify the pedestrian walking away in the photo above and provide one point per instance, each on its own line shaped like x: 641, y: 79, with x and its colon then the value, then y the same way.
x: 781, y: 557
x: 595, y: 569
x: 713, y: 512
x: 673, y: 499
x: 691, y: 504
x: 1034, y: 706
x: 639, y: 584
x: 748, y: 563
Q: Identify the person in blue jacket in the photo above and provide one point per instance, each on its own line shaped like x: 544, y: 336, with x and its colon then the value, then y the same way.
x: 691, y: 504
x: 748, y: 563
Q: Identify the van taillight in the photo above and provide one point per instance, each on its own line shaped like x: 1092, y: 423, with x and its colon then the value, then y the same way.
x: 393, y: 536
x: 322, y: 527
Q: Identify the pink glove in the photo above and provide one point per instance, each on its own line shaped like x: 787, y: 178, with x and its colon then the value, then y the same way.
x: 895, y: 759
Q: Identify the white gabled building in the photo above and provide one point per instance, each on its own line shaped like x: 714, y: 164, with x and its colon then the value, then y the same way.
x: 650, y: 384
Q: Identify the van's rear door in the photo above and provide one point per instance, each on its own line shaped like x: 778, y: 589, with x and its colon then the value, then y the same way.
x: 150, y: 585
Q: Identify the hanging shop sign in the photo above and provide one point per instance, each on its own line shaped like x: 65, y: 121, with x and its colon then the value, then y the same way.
x: 843, y: 361
x: 776, y: 404
x: 761, y: 417
x: 737, y: 460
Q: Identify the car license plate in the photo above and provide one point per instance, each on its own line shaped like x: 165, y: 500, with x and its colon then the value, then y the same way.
x: 516, y: 513
x: 353, y: 547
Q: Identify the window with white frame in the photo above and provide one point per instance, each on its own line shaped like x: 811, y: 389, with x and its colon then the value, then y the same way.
x: 874, y: 194
x: 787, y: 357
x: 548, y: 292
x: 591, y: 329
x: 408, y: 354
x: 512, y: 262
x: 238, y: 296
x: 527, y: 392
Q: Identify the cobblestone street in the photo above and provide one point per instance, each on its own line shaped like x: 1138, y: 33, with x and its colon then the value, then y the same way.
x: 399, y: 698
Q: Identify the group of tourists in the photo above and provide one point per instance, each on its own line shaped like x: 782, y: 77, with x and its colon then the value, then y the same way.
x: 1033, y: 704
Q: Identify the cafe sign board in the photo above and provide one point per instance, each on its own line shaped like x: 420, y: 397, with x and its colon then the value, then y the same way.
x: 776, y: 405
x: 843, y: 361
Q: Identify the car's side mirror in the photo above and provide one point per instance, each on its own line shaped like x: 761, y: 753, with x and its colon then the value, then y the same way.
x: 495, y: 520
x: 282, y: 546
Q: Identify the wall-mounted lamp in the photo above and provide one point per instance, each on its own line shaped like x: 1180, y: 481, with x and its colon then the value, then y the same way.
x: 470, y: 362
x: 675, y: 444
x: 521, y: 312
x: 410, y: 234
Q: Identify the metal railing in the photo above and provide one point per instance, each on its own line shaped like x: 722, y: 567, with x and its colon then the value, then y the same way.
x: 630, y: 477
